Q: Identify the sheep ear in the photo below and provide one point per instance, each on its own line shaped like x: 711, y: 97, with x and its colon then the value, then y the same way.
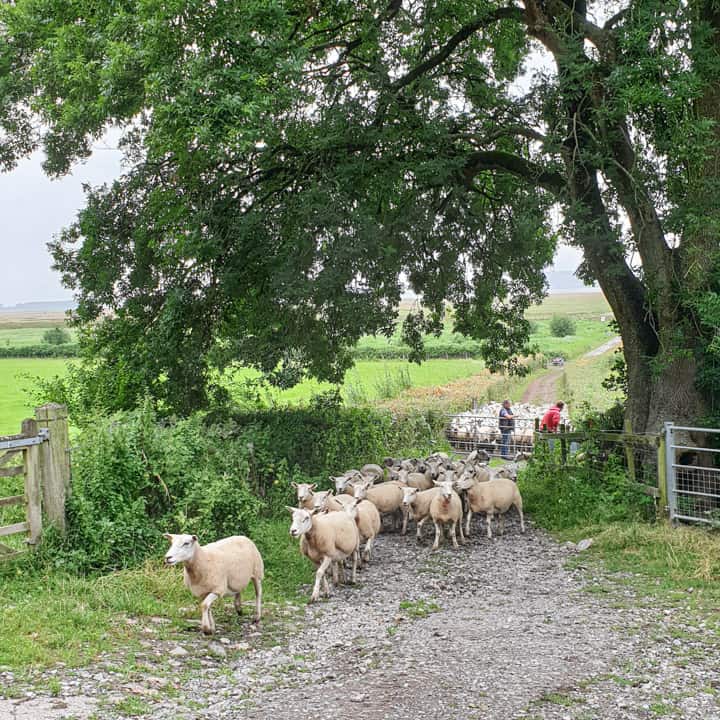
x: 290, y: 509
x: 168, y: 536
x: 437, y: 482
x: 313, y: 486
x: 194, y: 538
x: 294, y: 484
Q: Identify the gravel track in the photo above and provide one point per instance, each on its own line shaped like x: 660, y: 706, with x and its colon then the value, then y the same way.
x: 498, y: 629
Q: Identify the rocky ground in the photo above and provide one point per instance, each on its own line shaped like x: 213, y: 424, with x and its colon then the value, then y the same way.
x: 503, y: 628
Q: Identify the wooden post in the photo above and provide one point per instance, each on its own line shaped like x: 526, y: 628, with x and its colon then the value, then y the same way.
x: 662, y: 473
x: 629, y: 451
x: 563, y: 443
x: 33, y: 493
x: 56, y: 462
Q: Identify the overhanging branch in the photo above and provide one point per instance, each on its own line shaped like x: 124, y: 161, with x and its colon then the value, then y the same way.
x: 552, y: 181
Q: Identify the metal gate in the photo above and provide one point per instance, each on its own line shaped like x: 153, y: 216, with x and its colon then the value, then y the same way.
x: 693, y: 473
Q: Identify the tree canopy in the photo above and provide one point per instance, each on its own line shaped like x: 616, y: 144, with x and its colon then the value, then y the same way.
x: 291, y: 164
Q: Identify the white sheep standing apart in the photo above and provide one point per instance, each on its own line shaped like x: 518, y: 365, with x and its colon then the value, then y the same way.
x: 325, y: 539
x: 446, y: 509
x: 221, y: 568
x: 496, y: 495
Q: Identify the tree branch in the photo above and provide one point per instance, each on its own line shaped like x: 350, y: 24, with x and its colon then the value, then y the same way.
x: 552, y: 181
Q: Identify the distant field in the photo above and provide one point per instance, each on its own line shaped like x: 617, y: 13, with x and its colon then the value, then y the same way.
x: 579, y: 305
x: 15, y: 405
x: 15, y: 320
x: 21, y: 336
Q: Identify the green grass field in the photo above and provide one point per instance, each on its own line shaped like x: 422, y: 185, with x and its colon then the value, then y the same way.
x: 579, y: 305
x: 21, y: 336
x: 16, y: 404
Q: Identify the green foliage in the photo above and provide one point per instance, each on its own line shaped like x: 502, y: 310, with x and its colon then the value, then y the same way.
x: 561, y: 497
x: 56, y: 336
x: 135, y: 478
x: 68, y: 350
x: 562, y: 325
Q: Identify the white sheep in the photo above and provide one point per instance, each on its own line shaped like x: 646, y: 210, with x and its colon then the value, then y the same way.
x: 418, y: 480
x: 496, y: 495
x: 371, y: 469
x: 325, y: 539
x: 419, y: 502
x: 446, y: 509
x: 386, y: 496
x: 367, y: 519
x: 221, y: 568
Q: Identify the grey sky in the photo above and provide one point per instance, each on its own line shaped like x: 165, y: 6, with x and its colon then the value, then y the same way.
x: 33, y: 208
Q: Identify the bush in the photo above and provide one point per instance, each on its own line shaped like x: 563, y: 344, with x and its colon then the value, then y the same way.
x: 214, y: 475
x: 39, y: 351
x: 56, y: 336
x: 562, y: 325
x: 561, y: 497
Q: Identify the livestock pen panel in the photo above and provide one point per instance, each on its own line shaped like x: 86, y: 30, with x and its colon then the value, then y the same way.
x: 466, y: 433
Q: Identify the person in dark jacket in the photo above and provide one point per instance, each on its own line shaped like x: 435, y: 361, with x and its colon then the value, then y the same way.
x: 551, y: 419
x: 506, y: 425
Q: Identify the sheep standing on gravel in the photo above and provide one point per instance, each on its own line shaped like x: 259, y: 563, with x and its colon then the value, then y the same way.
x: 496, y: 495
x: 218, y: 569
x: 367, y: 519
x: 446, y: 509
x: 386, y: 497
x: 417, y: 501
x: 325, y: 539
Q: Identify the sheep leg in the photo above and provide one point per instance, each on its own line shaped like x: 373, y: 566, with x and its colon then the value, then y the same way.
x: 489, y: 517
x: 460, y: 531
x: 326, y: 586
x: 356, y: 555
x: 436, y: 544
x: 453, y: 534
x: 418, y: 529
x: 367, y: 552
x: 518, y: 505
x: 405, y: 520
x: 341, y: 572
x: 467, y: 523
x: 207, y: 623
x: 319, y: 575
x: 257, y: 582
x: 502, y: 523
x: 237, y: 602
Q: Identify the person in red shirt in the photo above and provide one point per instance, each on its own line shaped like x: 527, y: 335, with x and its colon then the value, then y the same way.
x: 551, y: 419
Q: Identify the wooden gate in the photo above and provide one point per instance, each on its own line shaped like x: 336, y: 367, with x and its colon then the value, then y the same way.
x: 39, y: 455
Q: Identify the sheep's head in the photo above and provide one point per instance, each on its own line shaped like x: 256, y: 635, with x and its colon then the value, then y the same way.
x: 446, y: 489
x: 182, y: 548
x: 434, y: 467
x: 301, y: 521
x: 341, y: 483
x: 321, y: 499
x: 409, y: 494
x: 351, y: 508
x: 360, y: 489
x: 304, y: 491
x: 465, y: 481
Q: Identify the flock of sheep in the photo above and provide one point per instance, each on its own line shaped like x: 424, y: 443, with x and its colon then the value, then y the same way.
x: 335, y: 526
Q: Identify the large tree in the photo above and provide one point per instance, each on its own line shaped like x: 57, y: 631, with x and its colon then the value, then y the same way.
x: 291, y: 162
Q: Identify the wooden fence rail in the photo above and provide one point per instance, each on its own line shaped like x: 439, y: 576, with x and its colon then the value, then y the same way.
x: 42, y: 449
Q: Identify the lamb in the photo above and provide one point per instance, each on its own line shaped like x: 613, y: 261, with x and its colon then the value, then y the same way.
x: 496, y: 495
x: 446, y: 508
x: 305, y: 494
x: 386, y: 496
x: 221, y: 568
x: 324, y: 539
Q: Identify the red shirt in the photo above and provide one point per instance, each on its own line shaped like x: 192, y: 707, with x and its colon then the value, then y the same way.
x: 551, y: 419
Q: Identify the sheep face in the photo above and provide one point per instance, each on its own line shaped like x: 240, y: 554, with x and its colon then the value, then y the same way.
x: 301, y: 521
x: 465, y: 482
x: 446, y: 489
x: 182, y: 548
x: 340, y: 483
x: 351, y: 508
x: 360, y: 490
x: 409, y: 494
x: 304, y: 491
x: 320, y: 499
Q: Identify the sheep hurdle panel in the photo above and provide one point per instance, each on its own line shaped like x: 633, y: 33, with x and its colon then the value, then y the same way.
x: 468, y: 433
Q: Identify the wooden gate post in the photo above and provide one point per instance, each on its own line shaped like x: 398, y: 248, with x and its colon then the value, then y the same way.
x: 56, y: 465
x: 33, y: 493
x: 662, y: 473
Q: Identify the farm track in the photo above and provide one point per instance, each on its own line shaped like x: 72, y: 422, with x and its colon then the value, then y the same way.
x: 499, y: 629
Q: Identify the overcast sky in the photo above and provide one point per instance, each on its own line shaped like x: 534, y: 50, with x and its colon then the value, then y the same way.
x: 34, y: 208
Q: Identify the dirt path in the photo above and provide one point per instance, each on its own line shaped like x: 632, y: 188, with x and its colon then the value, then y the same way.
x: 609, y: 345
x: 498, y: 630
